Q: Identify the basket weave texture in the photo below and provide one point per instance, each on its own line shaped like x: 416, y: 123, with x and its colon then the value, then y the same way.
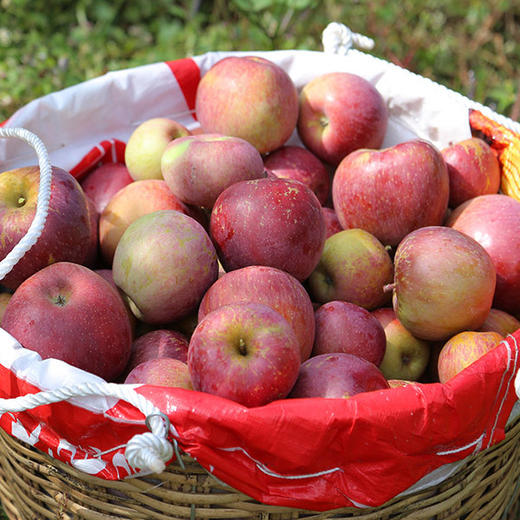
x: 35, y: 486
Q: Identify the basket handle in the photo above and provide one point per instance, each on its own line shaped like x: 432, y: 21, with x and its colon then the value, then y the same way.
x: 147, y: 451
x: 44, y: 194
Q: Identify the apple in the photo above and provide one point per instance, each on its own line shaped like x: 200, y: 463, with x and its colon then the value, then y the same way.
x: 354, y: 267
x: 67, y: 234
x: 346, y: 327
x: 494, y: 221
x: 444, y: 283
x: 463, y: 349
x: 164, y: 263
x: 273, y: 222
x: 4, y: 300
x: 68, y: 312
x: 406, y: 357
x: 473, y: 169
x: 146, y: 145
x: 299, y: 164
x: 246, y: 352
x: 92, y: 258
x: 501, y: 322
x: 198, y: 168
x: 248, y: 97
x: 103, y: 182
x: 158, y: 343
x: 332, y: 224
x: 162, y: 372
x: 340, y: 112
x: 398, y: 383
x: 393, y: 191
x: 336, y: 376
x: 269, y: 286
x: 127, y: 205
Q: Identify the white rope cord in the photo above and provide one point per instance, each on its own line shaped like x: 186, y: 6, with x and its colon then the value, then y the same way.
x: 44, y: 193
x: 336, y: 40
x: 148, y: 451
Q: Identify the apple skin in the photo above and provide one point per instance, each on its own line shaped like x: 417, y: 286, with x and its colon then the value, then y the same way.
x: 444, y: 283
x: 67, y: 234
x: 246, y: 352
x: 127, y: 205
x: 353, y: 267
x: 273, y: 222
x: 164, y: 263
x: 332, y: 223
x: 146, y: 145
x: 162, y: 372
x: 501, y: 322
x: 336, y: 376
x: 340, y: 112
x: 269, y: 286
x: 68, y: 312
x: 462, y: 350
x: 198, y: 168
x: 103, y: 182
x: 493, y: 221
x: 345, y: 327
x: 393, y: 191
x: 4, y: 300
x: 248, y: 97
x: 158, y: 343
x: 473, y: 169
x: 300, y: 164
x: 406, y: 357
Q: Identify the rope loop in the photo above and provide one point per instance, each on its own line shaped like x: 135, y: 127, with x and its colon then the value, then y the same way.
x: 337, y: 38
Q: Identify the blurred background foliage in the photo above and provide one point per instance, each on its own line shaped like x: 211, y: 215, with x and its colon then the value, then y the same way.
x: 471, y: 46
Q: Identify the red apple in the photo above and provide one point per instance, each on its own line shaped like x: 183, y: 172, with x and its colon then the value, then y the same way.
x: 248, y: 97
x: 501, y: 322
x: 273, y: 222
x: 269, y: 286
x: 336, y: 376
x: 68, y: 312
x: 127, y: 205
x: 494, y: 221
x: 393, y: 191
x: 345, y: 327
x: 300, y: 164
x: 67, y: 234
x: 162, y: 372
x: 341, y: 112
x: 164, y: 263
x: 198, y: 168
x: 103, y: 182
x: 406, y: 357
x: 146, y: 145
x: 158, y: 343
x: 354, y: 267
x: 444, y: 283
x: 473, y: 169
x: 332, y: 223
x: 246, y: 352
x: 462, y: 350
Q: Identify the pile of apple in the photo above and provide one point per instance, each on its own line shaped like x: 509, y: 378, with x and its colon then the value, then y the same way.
x: 224, y: 260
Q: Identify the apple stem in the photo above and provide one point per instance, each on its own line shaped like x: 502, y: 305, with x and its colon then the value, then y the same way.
x: 389, y: 287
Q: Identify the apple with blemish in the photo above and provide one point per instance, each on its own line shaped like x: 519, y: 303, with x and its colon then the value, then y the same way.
x: 246, y: 352
x: 273, y: 222
x: 162, y: 371
x: 269, y: 286
x: 340, y: 112
x: 248, y: 97
x: 68, y: 312
x: 67, y: 234
x: 198, y: 168
x: 146, y: 145
x: 164, y: 263
x: 393, y: 191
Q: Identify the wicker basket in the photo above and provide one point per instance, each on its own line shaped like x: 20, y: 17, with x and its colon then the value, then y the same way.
x: 36, y: 486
